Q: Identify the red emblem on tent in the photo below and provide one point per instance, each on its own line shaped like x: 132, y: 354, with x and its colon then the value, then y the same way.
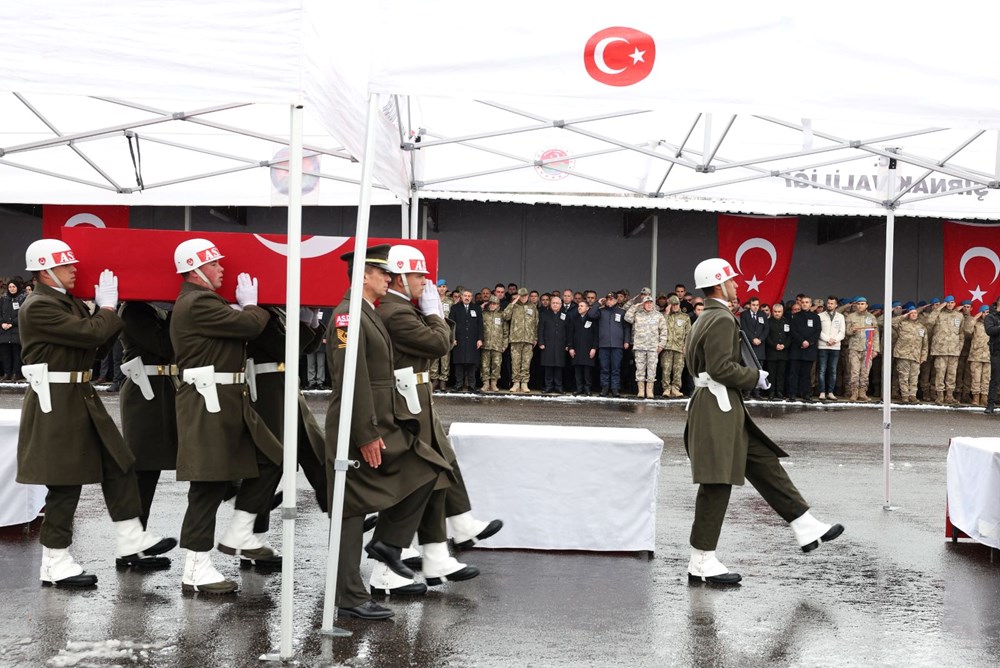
x: 619, y: 56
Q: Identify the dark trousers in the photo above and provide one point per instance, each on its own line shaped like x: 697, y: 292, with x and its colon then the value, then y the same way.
x: 147, y: 489
x: 991, y: 397
x: 768, y: 477
x: 465, y: 375
x: 205, y: 497
x: 799, y: 378
x: 611, y: 367
x: 121, y: 496
x: 396, y: 526
x: 553, y: 378
x: 10, y: 360
x: 444, y: 503
x: 776, y: 368
x: 583, y: 375
x: 506, y: 370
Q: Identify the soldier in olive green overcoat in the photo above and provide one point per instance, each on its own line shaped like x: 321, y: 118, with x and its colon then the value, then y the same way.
x: 724, y: 444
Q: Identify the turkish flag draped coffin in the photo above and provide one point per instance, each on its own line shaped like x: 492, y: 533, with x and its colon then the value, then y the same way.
x: 56, y: 217
x: 971, y: 262
x: 760, y: 249
x: 143, y: 260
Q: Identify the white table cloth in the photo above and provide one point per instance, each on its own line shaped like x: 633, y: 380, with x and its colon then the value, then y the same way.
x: 974, y: 488
x: 562, y: 488
x: 18, y: 503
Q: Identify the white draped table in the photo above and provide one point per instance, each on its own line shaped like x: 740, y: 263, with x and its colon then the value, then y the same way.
x: 562, y: 488
x: 18, y: 503
x: 974, y: 488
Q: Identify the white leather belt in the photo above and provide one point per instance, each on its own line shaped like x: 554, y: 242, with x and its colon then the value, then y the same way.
x: 422, y: 377
x: 68, y: 376
x: 270, y: 367
x: 229, y: 378
x: 717, y: 389
x: 160, y: 369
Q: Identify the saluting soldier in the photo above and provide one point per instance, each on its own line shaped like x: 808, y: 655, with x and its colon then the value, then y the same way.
x: 862, y: 348
x: 909, y: 350
x: 418, y: 333
x: 66, y: 438
x: 672, y: 357
x: 149, y: 418
x: 946, y: 345
x: 495, y: 342
x: 722, y: 441
x: 266, y: 383
x: 399, y: 471
x: 221, y: 438
x: 649, y: 338
x: 979, y: 356
x: 523, y: 332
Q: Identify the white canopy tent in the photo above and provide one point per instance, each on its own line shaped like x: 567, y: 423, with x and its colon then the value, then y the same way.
x: 185, y: 103
x: 792, y: 108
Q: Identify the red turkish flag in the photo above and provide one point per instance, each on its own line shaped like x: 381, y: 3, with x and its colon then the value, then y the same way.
x: 57, y: 216
x: 971, y: 262
x: 143, y: 260
x: 760, y: 249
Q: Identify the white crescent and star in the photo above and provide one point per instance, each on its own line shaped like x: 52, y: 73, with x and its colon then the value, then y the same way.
x: 311, y: 248
x: 983, y: 252
x: 85, y: 219
x: 599, y: 54
x: 756, y: 242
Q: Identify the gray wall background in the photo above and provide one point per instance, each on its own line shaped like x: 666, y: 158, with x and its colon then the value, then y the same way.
x: 548, y: 247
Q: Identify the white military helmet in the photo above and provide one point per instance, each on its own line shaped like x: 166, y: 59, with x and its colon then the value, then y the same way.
x: 48, y: 253
x: 406, y: 260
x: 713, y: 271
x: 191, y: 254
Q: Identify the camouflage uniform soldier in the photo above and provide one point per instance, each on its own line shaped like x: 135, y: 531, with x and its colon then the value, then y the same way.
x: 649, y: 336
x: 979, y: 356
x: 963, y: 378
x: 909, y: 351
x: 672, y: 357
x: 861, y: 326
x: 440, y: 368
x: 926, y: 318
x: 495, y: 342
x: 946, y: 346
x: 523, y: 333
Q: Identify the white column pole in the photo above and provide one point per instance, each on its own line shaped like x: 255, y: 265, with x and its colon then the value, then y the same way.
x: 404, y: 220
x: 350, y: 368
x: 656, y: 236
x: 890, y: 225
x: 414, y: 215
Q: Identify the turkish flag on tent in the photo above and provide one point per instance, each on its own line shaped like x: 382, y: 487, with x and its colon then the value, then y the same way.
x: 143, y: 260
x: 971, y: 262
x: 760, y: 248
x: 57, y: 216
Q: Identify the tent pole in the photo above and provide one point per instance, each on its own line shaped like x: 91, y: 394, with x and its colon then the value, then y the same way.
x: 187, y: 219
x: 350, y: 371
x: 652, y: 263
x: 890, y: 224
x: 404, y: 220
x: 414, y: 215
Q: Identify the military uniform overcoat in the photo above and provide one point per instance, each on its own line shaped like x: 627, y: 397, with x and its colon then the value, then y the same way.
x: 63, y: 447
x: 418, y: 339
x: 717, y: 441
x: 378, y: 412
x: 149, y: 426
x: 205, y: 330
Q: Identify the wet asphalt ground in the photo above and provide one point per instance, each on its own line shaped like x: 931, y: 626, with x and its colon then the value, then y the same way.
x: 892, y: 591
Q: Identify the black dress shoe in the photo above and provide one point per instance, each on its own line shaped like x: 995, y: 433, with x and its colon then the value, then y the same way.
x: 367, y: 610
x: 834, y: 531
x: 726, y: 579
x: 269, y: 564
x: 388, y: 555
x: 605, y: 391
x: 990, y: 410
x: 370, y: 523
x: 276, y: 501
x: 75, y: 581
x: 165, y: 545
x: 492, y: 528
x: 466, y: 573
x: 145, y: 564
x: 415, y: 563
x: 412, y: 589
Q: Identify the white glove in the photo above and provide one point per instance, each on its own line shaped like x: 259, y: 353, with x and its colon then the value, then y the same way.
x: 762, y: 382
x: 106, y: 290
x: 430, y: 301
x: 246, y: 290
x: 310, y: 316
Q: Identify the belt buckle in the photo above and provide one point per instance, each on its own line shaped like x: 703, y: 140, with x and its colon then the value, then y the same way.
x: 159, y: 370
x: 281, y: 367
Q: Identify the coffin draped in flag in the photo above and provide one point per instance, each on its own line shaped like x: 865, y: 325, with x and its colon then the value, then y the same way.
x: 143, y: 260
x: 760, y: 248
x: 971, y: 262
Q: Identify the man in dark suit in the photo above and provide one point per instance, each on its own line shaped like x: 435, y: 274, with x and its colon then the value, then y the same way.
x: 468, y: 319
x: 805, y: 332
x: 753, y: 322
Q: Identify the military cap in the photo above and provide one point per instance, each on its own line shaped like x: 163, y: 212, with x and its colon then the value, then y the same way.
x: 921, y: 304
x: 897, y: 304
x: 935, y: 300
x: 984, y: 308
x: 876, y: 307
x: 967, y: 302
x: 673, y: 299
x: 645, y: 291
x: 949, y: 298
x: 522, y: 292
x: 442, y: 283
x: 645, y: 299
x: 909, y: 306
x: 494, y: 299
x: 860, y: 299
x: 375, y: 256
x: 611, y: 294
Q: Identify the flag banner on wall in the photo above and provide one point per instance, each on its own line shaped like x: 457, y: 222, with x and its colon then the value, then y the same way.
x: 971, y: 256
x: 760, y: 249
x: 143, y: 260
x: 55, y: 217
